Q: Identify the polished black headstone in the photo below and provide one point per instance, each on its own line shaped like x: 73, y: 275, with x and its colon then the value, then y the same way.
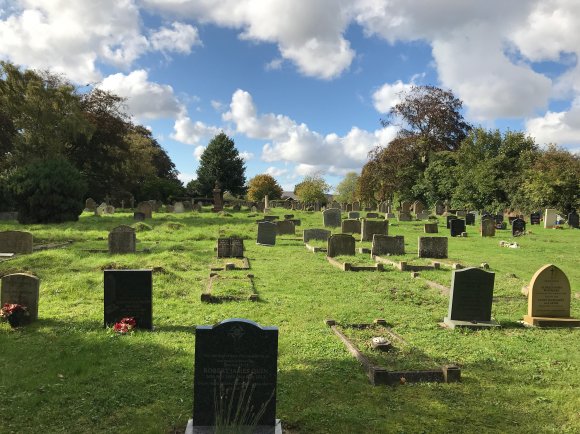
x: 518, y: 227
x: 129, y: 293
x: 139, y: 216
x: 457, y: 227
x: 471, y: 295
x: 573, y: 220
x: 470, y: 218
x: 449, y: 218
x: 535, y: 218
x: 228, y: 354
x: 267, y: 233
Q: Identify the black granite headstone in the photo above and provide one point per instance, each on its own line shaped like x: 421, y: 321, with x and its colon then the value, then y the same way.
x: 267, y: 233
x: 498, y: 221
x: 457, y: 227
x: 573, y: 220
x: 139, y: 216
x: 224, y: 248
x: 231, y: 353
x: 237, y: 246
x: 470, y: 218
x: 535, y: 218
x: 518, y: 227
x: 449, y: 218
x: 129, y: 293
x: 511, y: 219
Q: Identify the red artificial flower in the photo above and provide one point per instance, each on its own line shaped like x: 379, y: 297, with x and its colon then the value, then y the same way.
x: 10, y: 308
x: 125, y: 325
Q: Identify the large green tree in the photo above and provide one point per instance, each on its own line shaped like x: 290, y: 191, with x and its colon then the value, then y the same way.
x: 261, y: 185
x: 346, y: 190
x: 313, y: 188
x: 221, y: 163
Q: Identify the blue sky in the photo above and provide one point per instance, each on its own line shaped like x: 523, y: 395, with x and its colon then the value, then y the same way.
x: 301, y: 85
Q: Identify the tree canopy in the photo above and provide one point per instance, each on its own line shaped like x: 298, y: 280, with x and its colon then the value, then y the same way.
x: 261, y: 185
x: 346, y: 190
x: 313, y: 188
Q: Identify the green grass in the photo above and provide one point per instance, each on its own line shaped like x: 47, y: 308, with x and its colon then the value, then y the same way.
x: 65, y: 373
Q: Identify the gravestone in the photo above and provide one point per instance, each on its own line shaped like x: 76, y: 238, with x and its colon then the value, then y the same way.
x: 518, y: 227
x: 129, y: 293
x: 8, y: 215
x: 122, y: 239
x: 550, y: 218
x: 470, y: 299
x: 331, y: 218
x: 406, y: 206
x: 449, y: 218
x: 270, y: 218
x: 535, y: 218
x: 487, y: 227
x: 470, y: 219
x: 109, y: 209
x: 101, y: 209
x: 457, y: 227
x: 433, y: 247
x: 297, y: 222
x: 350, y: 226
x: 386, y: 245
x: 498, y: 221
x: 267, y: 233
x: 218, y: 203
x: 90, y: 204
x: 348, y: 207
x: 431, y: 228
x: 187, y: 206
x: 340, y: 244
x: 138, y: 216
x: 315, y: 234
x: 423, y: 215
x: 16, y: 242
x: 286, y: 227
x: 178, y: 208
x: 232, y: 247
x: 461, y: 213
x: 372, y: 215
x: 372, y: 227
x: 266, y: 204
x: 573, y: 220
x: 23, y: 289
x: 439, y: 208
x: 549, y: 299
x: 288, y: 216
x: 511, y: 219
x: 404, y: 217
x: 391, y: 215
x: 235, y: 352
x: 237, y: 245
x: 418, y: 207
x: 146, y: 208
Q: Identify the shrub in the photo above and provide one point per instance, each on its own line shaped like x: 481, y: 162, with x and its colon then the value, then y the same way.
x: 49, y: 191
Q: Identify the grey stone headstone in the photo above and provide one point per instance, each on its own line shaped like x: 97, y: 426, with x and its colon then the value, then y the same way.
x: 431, y: 228
x: 286, y: 227
x: 122, y: 239
x: 340, y: 244
x: 471, y: 296
x: 146, y: 208
x: 372, y: 227
x: 90, y: 204
x: 21, y: 288
x: 487, y: 227
x: 372, y: 215
x: 386, y: 245
x: 267, y: 233
x: 423, y: 215
x: 470, y: 219
x: 350, y: 226
x: 178, y: 208
x: 331, y: 218
x: 129, y: 293
x: 16, y: 242
x: 573, y: 220
x: 457, y: 227
x: 228, y: 354
x: 315, y: 234
x: 433, y: 247
x: 404, y: 217
x: 354, y: 215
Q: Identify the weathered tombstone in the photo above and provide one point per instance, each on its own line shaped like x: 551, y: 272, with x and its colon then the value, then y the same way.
x: 518, y: 227
x: 391, y: 215
x: 439, y: 208
x: 431, y: 228
x: 404, y: 217
x: 498, y: 221
x: 331, y: 218
x: 297, y: 222
x: 254, y: 209
x: 315, y: 234
x: 90, y: 204
x: 237, y: 245
x: 549, y: 299
x: 15, y: 242
x: 470, y: 299
x: 285, y: 227
x: 178, y: 208
x: 288, y: 216
x: 270, y: 218
x: 457, y: 227
x: 487, y: 227
x: 449, y: 218
x: 267, y: 233
x: 229, y: 356
x: 350, y: 226
x: 470, y: 219
x: 224, y: 248
x: 218, y: 204
x: 146, y: 208
x: 349, y: 207
x: 340, y: 244
x: 122, y: 239
x: 266, y: 204
x: 23, y: 289
x: 138, y: 216
x: 101, y: 209
x: 573, y: 220
x: 406, y: 206
x: 433, y: 247
x: 461, y: 213
x: 386, y: 245
x: 372, y: 215
x: 372, y: 227
x: 535, y: 218
x: 354, y: 215
x: 423, y: 215
x: 550, y: 218
x: 418, y: 207
x: 129, y: 293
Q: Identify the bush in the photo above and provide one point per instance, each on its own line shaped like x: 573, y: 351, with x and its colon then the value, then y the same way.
x: 49, y: 191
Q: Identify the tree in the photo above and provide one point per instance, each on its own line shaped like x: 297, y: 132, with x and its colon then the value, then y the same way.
x: 262, y: 185
x: 221, y: 163
x: 439, y: 180
x: 346, y: 190
x: 313, y: 188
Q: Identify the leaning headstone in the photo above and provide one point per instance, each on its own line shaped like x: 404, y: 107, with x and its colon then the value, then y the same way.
x: 285, y: 227
x: 23, y: 289
x: 218, y: 203
x: 549, y: 299
x: 101, y: 209
x: 535, y: 218
x: 90, y: 204
x: 315, y: 234
x: 354, y: 215
x: 350, y: 226
x: 372, y: 227
x: 331, y: 218
x: 487, y: 227
x: 146, y: 208
x: 433, y: 247
x: 138, y: 216
x: 457, y: 227
x: 129, y: 293
x: 122, y: 239
x: 386, y: 245
x: 340, y: 244
x: 431, y: 228
x: 178, y: 208
x: 235, y: 368
x: 550, y: 218
x: 470, y: 299
x: 15, y: 242
x: 470, y: 219
x: 573, y: 220
x: 518, y: 227
x: 267, y: 233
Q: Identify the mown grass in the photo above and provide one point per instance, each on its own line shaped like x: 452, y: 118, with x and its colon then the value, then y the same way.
x: 65, y: 373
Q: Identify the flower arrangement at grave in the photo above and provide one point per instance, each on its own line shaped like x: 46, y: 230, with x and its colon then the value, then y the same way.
x: 125, y: 325
x: 15, y: 314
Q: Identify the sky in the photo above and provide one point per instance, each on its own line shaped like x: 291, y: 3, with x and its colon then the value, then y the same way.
x: 301, y: 85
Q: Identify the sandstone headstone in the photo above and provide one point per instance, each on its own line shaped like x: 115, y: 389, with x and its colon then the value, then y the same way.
x: 169, y: 209
x: 355, y: 206
x: 21, y: 288
x: 129, y: 293
x: 218, y: 204
x: 331, y: 218
x: 146, y: 208
x: 267, y: 233
x: 15, y: 242
x: 433, y: 247
x: 487, y: 227
x: 406, y: 206
x: 90, y: 204
x: 122, y: 239
x: 418, y: 207
x: 350, y: 226
x: 386, y: 245
x: 423, y: 215
x: 431, y: 228
x: 341, y: 244
x: 178, y: 208
x: 315, y: 234
x: 286, y: 227
x: 404, y: 217
x: 101, y: 209
x: 372, y: 227
x: 461, y: 213
x: 550, y: 218
x: 439, y: 208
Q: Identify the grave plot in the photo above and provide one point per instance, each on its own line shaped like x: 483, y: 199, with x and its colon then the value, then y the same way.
x: 228, y: 264
x: 354, y: 263
x: 234, y: 288
x: 316, y: 245
x: 387, y: 358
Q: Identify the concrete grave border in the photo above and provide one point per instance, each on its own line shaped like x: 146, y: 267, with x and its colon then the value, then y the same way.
x: 207, y: 296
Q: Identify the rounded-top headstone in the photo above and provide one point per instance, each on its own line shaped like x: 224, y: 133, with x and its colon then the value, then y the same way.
x: 549, y: 293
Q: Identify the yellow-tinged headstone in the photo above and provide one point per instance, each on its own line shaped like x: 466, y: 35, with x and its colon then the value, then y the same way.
x: 549, y: 293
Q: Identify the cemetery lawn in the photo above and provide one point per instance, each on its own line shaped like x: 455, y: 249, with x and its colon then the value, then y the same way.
x: 66, y: 373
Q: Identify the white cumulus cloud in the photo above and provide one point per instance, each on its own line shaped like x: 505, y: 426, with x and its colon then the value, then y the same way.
x: 179, y: 38
x: 187, y: 131
x: 387, y: 95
